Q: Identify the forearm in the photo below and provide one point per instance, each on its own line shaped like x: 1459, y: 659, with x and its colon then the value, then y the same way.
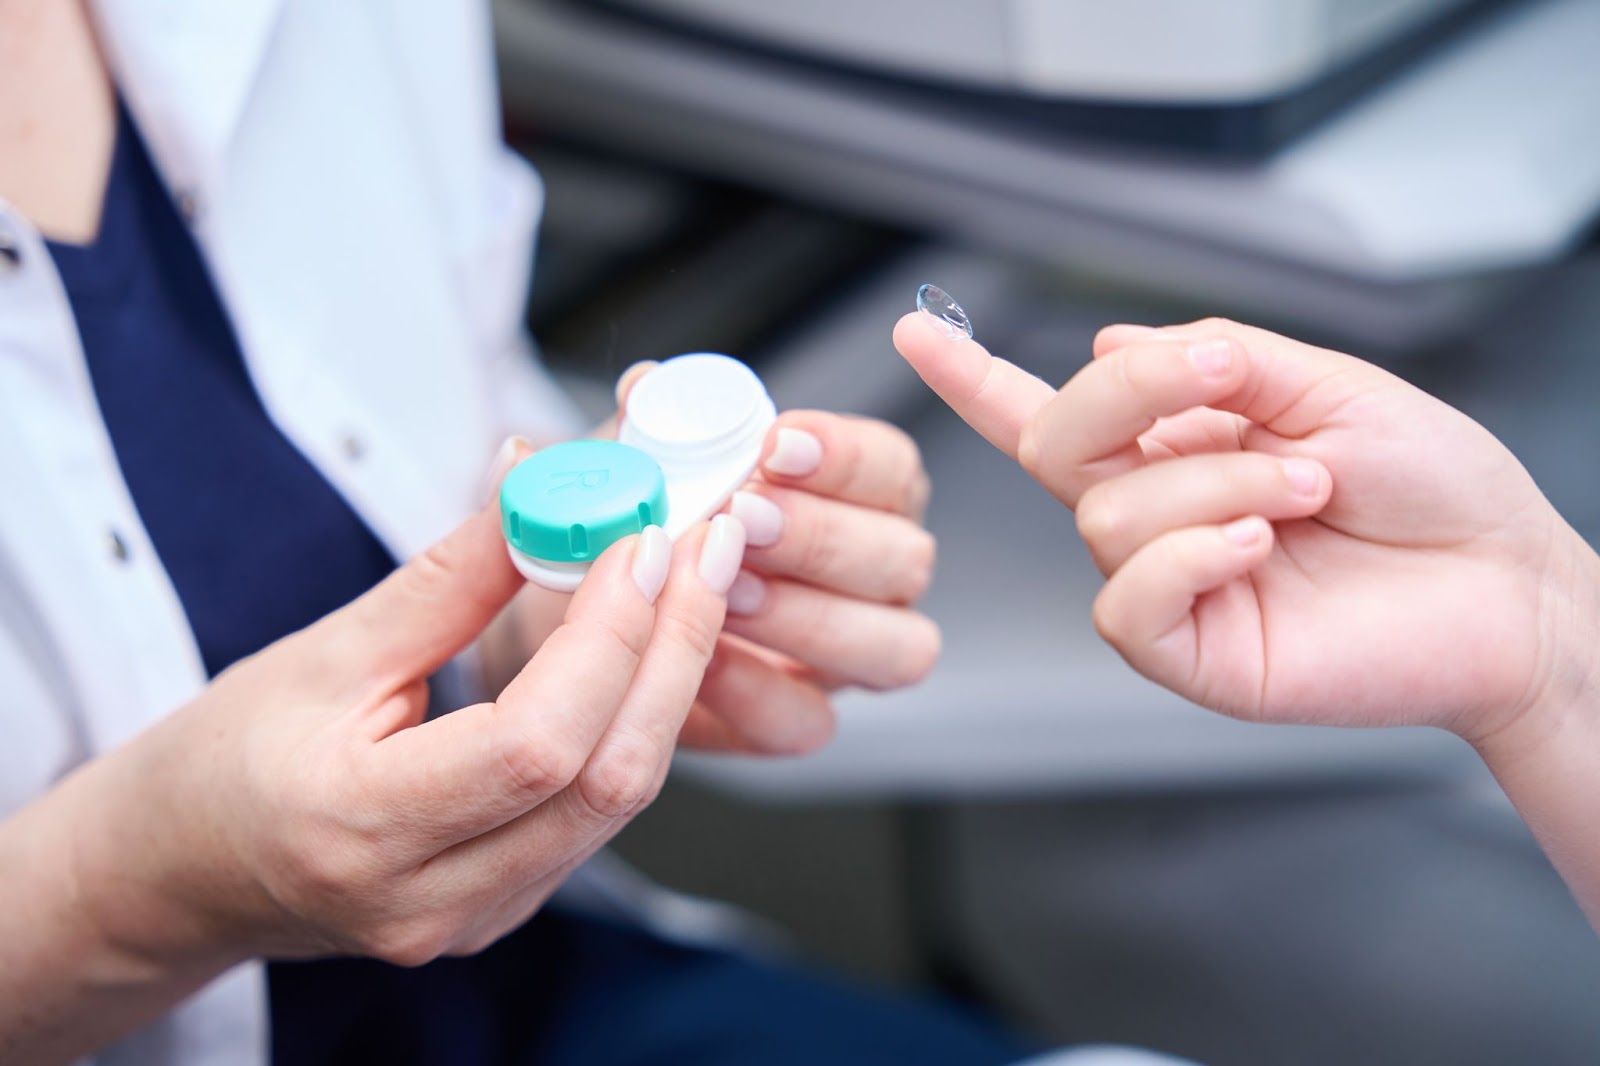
x: 1548, y: 759
x: 1557, y: 792
x: 68, y: 985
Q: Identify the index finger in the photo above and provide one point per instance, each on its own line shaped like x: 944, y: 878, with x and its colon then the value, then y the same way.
x: 467, y: 772
x: 995, y: 397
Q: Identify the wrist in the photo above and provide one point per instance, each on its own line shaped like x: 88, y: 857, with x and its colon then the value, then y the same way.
x: 72, y: 978
x: 138, y: 879
x: 1562, y: 700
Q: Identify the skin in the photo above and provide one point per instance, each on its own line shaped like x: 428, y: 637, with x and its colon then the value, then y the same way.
x: 299, y: 806
x: 1290, y: 534
x: 841, y: 583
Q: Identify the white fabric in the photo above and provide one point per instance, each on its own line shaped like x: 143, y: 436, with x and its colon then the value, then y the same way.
x: 371, y: 237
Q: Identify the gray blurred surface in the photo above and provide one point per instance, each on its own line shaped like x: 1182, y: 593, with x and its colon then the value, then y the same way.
x: 1391, y: 223
x: 1377, y: 903
x: 1042, y: 829
x: 1387, y: 927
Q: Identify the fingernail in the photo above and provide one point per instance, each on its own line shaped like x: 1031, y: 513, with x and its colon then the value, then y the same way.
x: 1304, y: 475
x: 747, y: 594
x: 652, y: 556
x: 1246, y: 532
x: 507, y: 456
x: 722, y: 552
x: 1212, y: 357
x: 762, y: 519
x: 630, y: 377
x: 796, y: 454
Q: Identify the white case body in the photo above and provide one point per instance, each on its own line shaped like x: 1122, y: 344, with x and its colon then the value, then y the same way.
x: 703, y: 418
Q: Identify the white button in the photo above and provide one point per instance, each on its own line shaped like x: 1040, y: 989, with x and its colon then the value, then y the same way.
x: 354, y: 447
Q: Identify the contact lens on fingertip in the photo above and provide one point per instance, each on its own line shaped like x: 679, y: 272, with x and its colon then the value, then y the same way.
x: 934, y: 301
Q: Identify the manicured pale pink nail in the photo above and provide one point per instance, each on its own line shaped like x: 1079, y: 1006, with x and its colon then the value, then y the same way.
x: 510, y: 452
x: 652, y: 556
x: 1212, y: 357
x: 1246, y: 532
x: 796, y: 454
x: 762, y: 519
x: 722, y: 552
x: 747, y: 594
x: 1304, y: 475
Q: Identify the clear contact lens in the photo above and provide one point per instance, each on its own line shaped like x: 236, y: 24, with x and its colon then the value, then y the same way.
x: 932, y: 300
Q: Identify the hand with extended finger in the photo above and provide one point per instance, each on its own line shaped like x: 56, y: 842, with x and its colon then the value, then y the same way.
x: 1289, y: 533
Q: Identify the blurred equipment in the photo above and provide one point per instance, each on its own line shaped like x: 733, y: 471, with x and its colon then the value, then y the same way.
x: 1232, y: 74
x: 1387, y: 225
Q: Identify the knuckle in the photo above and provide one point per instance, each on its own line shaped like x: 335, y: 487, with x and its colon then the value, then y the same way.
x: 429, y: 571
x: 917, y: 567
x: 819, y: 550
x: 536, y: 768
x: 919, y: 654
x: 913, y: 657
x: 478, y: 942
x: 330, y: 871
x: 1030, y: 447
x: 621, y: 778
x: 632, y: 639
x: 688, y: 629
x: 911, y: 482
x: 1214, y: 324
x: 1101, y: 521
x: 1107, y: 618
x: 407, y: 942
x: 920, y: 495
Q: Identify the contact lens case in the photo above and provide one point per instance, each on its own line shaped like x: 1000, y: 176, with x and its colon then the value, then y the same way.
x: 691, y: 436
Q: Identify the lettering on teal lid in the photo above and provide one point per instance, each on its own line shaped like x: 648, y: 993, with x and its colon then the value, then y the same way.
x: 587, y: 480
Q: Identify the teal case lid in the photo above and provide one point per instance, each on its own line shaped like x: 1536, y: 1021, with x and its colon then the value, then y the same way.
x: 570, y: 502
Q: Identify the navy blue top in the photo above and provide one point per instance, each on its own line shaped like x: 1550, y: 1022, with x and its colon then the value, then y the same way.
x: 256, y: 541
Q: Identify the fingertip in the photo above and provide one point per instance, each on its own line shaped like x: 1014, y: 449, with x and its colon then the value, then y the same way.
x: 916, y: 338
x: 1309, y: 479
x: 652, y: 559
x: 722, y: 553
x: 631, y: 377
x: 512, y: 451
x: 794, y: 446
x: 1248, y: 535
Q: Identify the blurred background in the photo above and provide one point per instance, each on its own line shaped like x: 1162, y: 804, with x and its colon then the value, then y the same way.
x: 1036, y: 829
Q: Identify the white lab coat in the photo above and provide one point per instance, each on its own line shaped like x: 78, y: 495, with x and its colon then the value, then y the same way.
x: 371, y: 236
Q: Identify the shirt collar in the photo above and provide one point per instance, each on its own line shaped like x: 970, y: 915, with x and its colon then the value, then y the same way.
x: 185, y: 68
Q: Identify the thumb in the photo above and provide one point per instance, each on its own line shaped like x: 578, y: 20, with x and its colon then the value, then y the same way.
x: 422, y: 615
x: 995, y: 397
